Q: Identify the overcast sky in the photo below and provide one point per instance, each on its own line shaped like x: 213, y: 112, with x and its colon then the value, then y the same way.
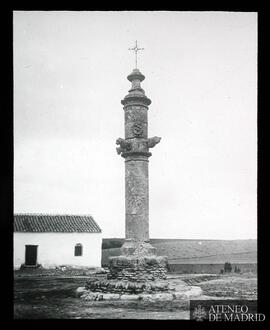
x: 70, y: 73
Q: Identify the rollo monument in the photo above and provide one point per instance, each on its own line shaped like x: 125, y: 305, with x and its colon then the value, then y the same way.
x: 138, y: 273
x: 138, y: 260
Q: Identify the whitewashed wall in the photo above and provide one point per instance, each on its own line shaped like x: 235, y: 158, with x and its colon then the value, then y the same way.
x: 56, y: 249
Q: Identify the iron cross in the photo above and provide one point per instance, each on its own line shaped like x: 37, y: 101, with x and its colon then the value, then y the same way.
x: 136, y: 49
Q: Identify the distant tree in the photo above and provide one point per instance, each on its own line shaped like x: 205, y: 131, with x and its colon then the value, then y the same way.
x: 227, y: 267
x: 237, y: 270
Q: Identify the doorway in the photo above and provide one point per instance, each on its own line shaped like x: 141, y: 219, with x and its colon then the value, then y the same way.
x: 31, y: 255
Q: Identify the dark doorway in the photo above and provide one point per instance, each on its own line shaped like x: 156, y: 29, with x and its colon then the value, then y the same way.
x: 31, y: 255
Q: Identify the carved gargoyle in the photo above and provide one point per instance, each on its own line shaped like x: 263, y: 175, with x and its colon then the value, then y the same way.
x: 153, y: 141
x: 124, y: 146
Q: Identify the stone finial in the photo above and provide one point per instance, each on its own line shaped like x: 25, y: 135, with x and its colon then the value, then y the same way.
x: 136, y: 75
x: 153, y: 141
x: 136, y: 93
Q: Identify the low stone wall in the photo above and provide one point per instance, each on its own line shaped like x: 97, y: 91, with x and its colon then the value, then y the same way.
x: 138, y: 269
x: 210, y: 268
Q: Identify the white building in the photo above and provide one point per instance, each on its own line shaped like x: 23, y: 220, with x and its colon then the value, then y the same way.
x: 56, y: 240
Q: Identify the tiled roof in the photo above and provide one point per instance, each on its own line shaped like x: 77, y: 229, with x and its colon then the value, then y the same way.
x: 55, y: 223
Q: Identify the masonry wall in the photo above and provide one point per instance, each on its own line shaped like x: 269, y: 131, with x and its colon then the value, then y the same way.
x: 56, y: 249
x: 210, y: 268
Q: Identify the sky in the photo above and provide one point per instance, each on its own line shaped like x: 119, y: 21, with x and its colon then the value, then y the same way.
x: 70, y: 72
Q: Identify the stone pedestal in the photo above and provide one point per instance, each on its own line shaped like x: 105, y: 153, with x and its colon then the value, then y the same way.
x: 138, y: 269
x: 131, y: 247
x: 138, y: 262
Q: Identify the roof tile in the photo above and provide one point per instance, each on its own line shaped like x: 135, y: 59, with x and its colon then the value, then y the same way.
x: 55, y: 223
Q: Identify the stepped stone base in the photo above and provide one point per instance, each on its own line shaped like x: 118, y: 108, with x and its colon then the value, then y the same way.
x: 138, y: 262
x: 126, y: 287
x: 138, y: 269
x: 136, y: 274
x: 119, y: 292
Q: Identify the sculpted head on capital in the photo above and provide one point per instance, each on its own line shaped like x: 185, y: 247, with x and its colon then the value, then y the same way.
x: 153, y: 141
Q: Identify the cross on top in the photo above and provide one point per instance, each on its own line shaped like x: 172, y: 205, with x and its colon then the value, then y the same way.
x: 136, y: 49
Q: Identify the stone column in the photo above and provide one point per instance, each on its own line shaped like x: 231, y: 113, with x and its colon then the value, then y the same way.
x: 135, y: 149
x: 138, y: 261
x: 137, y: 199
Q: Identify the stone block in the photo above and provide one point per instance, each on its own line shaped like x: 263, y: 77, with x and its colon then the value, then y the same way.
x: 157, y: 297
x: 195, y: 291
x: 111, y: 296
x: 99, y: 296
x: 188, y: 293
x: 89, y: 296
x: 179, y: 295
x: 129, y: 297
x: 80, y: 291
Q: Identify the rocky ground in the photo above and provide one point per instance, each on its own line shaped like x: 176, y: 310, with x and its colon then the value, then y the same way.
x: 52, y: 294
x: 61, y: 271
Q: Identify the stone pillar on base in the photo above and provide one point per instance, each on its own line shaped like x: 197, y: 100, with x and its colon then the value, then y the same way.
x: 138, y: 260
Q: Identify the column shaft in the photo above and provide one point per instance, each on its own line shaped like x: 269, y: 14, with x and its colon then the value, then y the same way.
x: 137, y: 199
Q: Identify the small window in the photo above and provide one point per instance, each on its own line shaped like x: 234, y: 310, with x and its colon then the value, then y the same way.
x: 78, y: 250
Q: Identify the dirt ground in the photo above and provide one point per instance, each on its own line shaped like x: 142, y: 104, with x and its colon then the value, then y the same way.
x: 39, y: 296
